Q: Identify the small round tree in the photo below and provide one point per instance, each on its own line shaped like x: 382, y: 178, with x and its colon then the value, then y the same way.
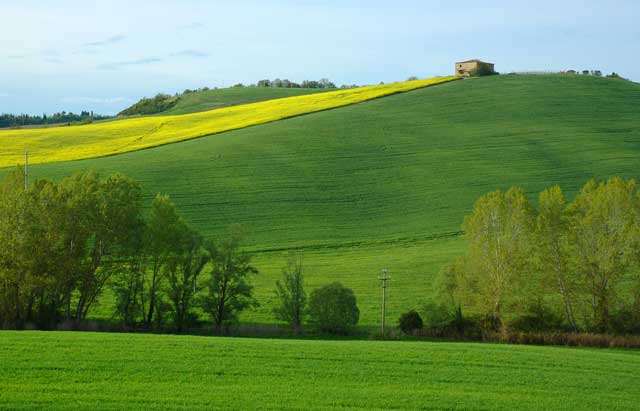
x: 333, y: 309
x: 410, y: 322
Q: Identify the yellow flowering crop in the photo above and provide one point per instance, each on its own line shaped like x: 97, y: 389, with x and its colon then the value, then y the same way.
x: 102, y: 139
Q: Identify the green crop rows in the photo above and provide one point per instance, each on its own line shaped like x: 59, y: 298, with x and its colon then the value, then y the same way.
x: 386, y: 183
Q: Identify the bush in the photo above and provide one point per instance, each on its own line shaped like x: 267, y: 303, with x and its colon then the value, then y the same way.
x: 157, y: 104
x: 538, y: 318
x: 333, y: 309
x: 410, y: 322
x: 445, y: 321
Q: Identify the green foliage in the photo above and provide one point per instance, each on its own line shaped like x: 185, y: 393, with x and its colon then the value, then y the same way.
x: 159, y: 103
x: 291, y: 294
x: 498, y: 233
x: 18, y: 120
x: 333, y: 309
x: 585, y: 254
x: 397, y: 197
x: 183, y: 267
x: 410, y: 322
x: 62, y: 243
x: 229, y: 290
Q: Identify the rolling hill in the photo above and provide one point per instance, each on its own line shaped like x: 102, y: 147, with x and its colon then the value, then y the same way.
x: 386, y: 183
x: 79, y: 371
x: 131, y: 134
x: 226, y: 97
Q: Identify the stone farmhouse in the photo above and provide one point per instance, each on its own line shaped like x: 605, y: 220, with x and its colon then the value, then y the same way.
x: 470, y: 67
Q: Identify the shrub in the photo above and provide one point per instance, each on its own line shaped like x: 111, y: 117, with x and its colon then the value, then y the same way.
x: 410, y: 322
x: 157, y: 104
x: 538, y: 318
x: 333, y: 309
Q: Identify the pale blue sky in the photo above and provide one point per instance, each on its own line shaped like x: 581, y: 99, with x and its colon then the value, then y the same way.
x: 103, y: 55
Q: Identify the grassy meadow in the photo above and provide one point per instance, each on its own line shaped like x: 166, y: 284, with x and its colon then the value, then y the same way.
x: 115, y: 137
x: 205, y: 100
x: 79, y: 371
x: 386, y: 183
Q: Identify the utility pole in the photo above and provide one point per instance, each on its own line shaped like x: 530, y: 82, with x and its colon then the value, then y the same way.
x: 384, y: 279
x: 26, y: 171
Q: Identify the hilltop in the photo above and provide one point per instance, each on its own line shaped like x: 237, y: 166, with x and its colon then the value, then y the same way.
x: 386, y: 183
x: 131, y: 134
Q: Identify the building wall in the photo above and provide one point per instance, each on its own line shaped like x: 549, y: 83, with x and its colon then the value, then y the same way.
x: 465, y: 68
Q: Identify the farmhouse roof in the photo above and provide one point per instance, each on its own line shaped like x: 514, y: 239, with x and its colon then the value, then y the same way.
x: 471, y: 61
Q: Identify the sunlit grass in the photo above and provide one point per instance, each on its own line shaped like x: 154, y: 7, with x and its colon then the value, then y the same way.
x: 89, y: 371
x: 97, y: 140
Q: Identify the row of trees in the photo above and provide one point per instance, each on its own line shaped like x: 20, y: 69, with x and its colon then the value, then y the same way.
x: 18, y: 120
x: 63, y: 244
x: 561, y: 266
x: 285, y: 83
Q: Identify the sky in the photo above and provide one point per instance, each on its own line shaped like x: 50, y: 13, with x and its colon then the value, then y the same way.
x: 105, y: 55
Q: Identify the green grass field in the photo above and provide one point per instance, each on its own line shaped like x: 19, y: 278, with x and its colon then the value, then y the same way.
x: 80, y: 371
x: 386, y: 183
x: 226, y: 97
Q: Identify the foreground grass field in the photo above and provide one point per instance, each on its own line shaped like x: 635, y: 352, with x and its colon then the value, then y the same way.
x: 79, y: 371
x: 116, y: 137
x: 386, y: 183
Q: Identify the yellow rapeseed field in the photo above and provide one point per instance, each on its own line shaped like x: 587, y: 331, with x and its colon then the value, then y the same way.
x: 102, y: 139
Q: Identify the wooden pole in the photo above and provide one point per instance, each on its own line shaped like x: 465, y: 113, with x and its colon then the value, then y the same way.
x: 26, y: 171
x: 384, y: 279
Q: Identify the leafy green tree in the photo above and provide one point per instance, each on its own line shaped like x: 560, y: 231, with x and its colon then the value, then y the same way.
x: 165, y: 229
x: 229, y: 290
x: 182, y: 271
x: 333, y: 309
x: 101, y: 217
x: 498, y: 235
x: 410, y: 322
x: 604, y: 221
x: 552, y: 253
x: 15, y: 289
x: 291, y: 294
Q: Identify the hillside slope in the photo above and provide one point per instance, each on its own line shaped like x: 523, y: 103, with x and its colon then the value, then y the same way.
x: 226, y: 97
x: 132, y: 134
x: 387, y: 183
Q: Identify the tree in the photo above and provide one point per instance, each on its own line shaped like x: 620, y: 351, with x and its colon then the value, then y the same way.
x: 410, y: 322
x: 102, y: 217
x: 183, y: 268
x: 333, y: 309
x: 162, y: 240
x: 229, y: 290
x: 604, y: 226
x: 552, y: 248
x: 498, y: 237
x: 290, y: 292
x: 14, y: 287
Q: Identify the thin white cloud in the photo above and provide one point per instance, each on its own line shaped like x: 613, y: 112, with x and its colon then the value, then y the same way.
x: 111, y: 40
x: 189, y: 53
x: 2, y: 94
x: 120, y: 64
x: 96, y: 100
x: 191, y: 26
